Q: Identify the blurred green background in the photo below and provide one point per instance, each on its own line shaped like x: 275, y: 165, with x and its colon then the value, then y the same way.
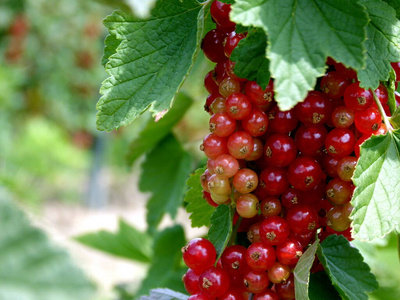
x: 50, y: 150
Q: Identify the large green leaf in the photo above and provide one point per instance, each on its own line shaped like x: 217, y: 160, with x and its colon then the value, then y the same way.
x: 396, y: 5
x: 250, y: 58
x: 302, y: 271
x: 31, y: 268
x: 383, y: 43
x: 155, y: 131
x: 322, y: 288
x: 301, y: 34
x: 151, y: 61
x: 221, y: 227
x: 200, y: 211
x: 376, y: 197
x: 164, y: 174
x: 128, y: 242
x: 164, y: 294
x: 349, y: 274
x: 166, y: 269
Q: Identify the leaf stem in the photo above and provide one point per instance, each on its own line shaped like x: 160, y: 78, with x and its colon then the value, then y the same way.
x: 385, y: 118
x: 234, y: 232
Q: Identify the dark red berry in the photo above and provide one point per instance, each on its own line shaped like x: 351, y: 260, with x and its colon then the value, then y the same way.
x: 260, y: 256
x: 213, y: 47
x: 316, y: 109
x: 304, y: 173
x: 220, y: 13
x: 191, y: 282
x: 289, y: 252
x: 280, y: 150
x: 281, y: 121
x: 255, y: 281
x: 340, y: 142
x: 214, y: 282
x: 257, y: 95
x: 310, y: 140
x: 357, y: 98
x: 274, y: 230
x: 333, y: 84
x: 233, y: 259
x: 302, y: 219
x: 274, y: 181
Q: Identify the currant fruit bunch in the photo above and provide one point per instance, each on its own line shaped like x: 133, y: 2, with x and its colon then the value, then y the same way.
x: 287, y: 173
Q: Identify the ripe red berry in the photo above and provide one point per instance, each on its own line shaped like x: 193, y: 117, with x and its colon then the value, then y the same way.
x: 240, y: 144
x: 346, y: 167
x: 199, y: 254
x: 260, y: 256
x: 226, y: 166
x: 281, y: 121
x: 285, y: 290
x: 255, y: 281
x: 191, y: 282
x: 339, y: 192
x: 266, y: 295
x: 289, y: 252
x: 274, y: 230
x: 220, y: 13
x: 280, y: 150
x: 233, y: 259
x: 342, y: 117
x: 238, y: 106
x: 357, y: 98
x: 315, y: 109
x: 231, y: 41
x: 213, y: 47
x: 256, y: 123
x: 310, y: 139
x: 214, y: 146
x: 302, y: 219
x: 340, y: 142
x: 368, y: 120
x: 210, y: 84
x: 304, y: 173
x: 257, y: 95
x: 222, y: 124
x: 274, y: 181
x: 270, y: 206
x: 214, y: 282
x: 291, y: 196
x: 334, y: 84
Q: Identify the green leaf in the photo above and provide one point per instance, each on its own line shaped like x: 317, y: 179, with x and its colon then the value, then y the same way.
x: 200, y: 211
x: 111, y: 44
x: 128, y: 242
x: 321, y: 288
x: 349, y: 274
x: 164, y: 173
x: 250, y: 58
x: 395, y: 118
x: 150, y: 62
x: 164, y: 294
x: 391, y: 88
x: 155, y: 131
x: 301, y: 34
x: 376, y: 197
x: 302, y: 271
x: 383, y: 43
x: 166, y: 269
x: 31, y: 268
x: 396, y: 5
x: 221, y: 227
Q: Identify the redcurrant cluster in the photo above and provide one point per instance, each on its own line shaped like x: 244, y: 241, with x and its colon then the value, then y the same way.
x: 287, y: 173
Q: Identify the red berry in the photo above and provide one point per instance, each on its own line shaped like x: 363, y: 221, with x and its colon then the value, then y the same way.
x: 213, y: 47
x: 191, y: 282
x: 229, y: 86
x: 274, y: 181
x: 207, y: 197
x: 231, y: 41
x: 260, y: 256
x: 281, y: 121
x: 256, y: 123
x: 304, y: 173
x: 316, y: 109
x: 266, y: 295
x: 368, y: 120
x: 258, y: 150
x: 226, y: 166
x: 310, y: 139
x: 285, y: 290
x: 333, y: 84
x: 340, y: 142
x: 274, y: 230
x: 289, y: 252
x: 339, y: 192
x: 257, y: 95
x: 291, y: 196
x: 214, y: 282
x: 214, y: 146
x: 222, y: 124
x: 357, y: 98
x: 253, y: 234
x: 220, y: 13
x: 233, y: 259
x: 210, y: 84
x: 278, y: 273
x: 280, y: 150
x: 199, y: 254
x: 255, y: 281
x: 238, y: 106
x: 270, y: 206
x: 245, y: 181
x: 240, y: 144
x: 346, y: 167
x: 342, y: 117
x: 302, y: 219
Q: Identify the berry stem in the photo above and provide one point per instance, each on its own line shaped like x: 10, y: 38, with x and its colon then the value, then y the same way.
x: 382, y: 111
x: 232, y: 239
